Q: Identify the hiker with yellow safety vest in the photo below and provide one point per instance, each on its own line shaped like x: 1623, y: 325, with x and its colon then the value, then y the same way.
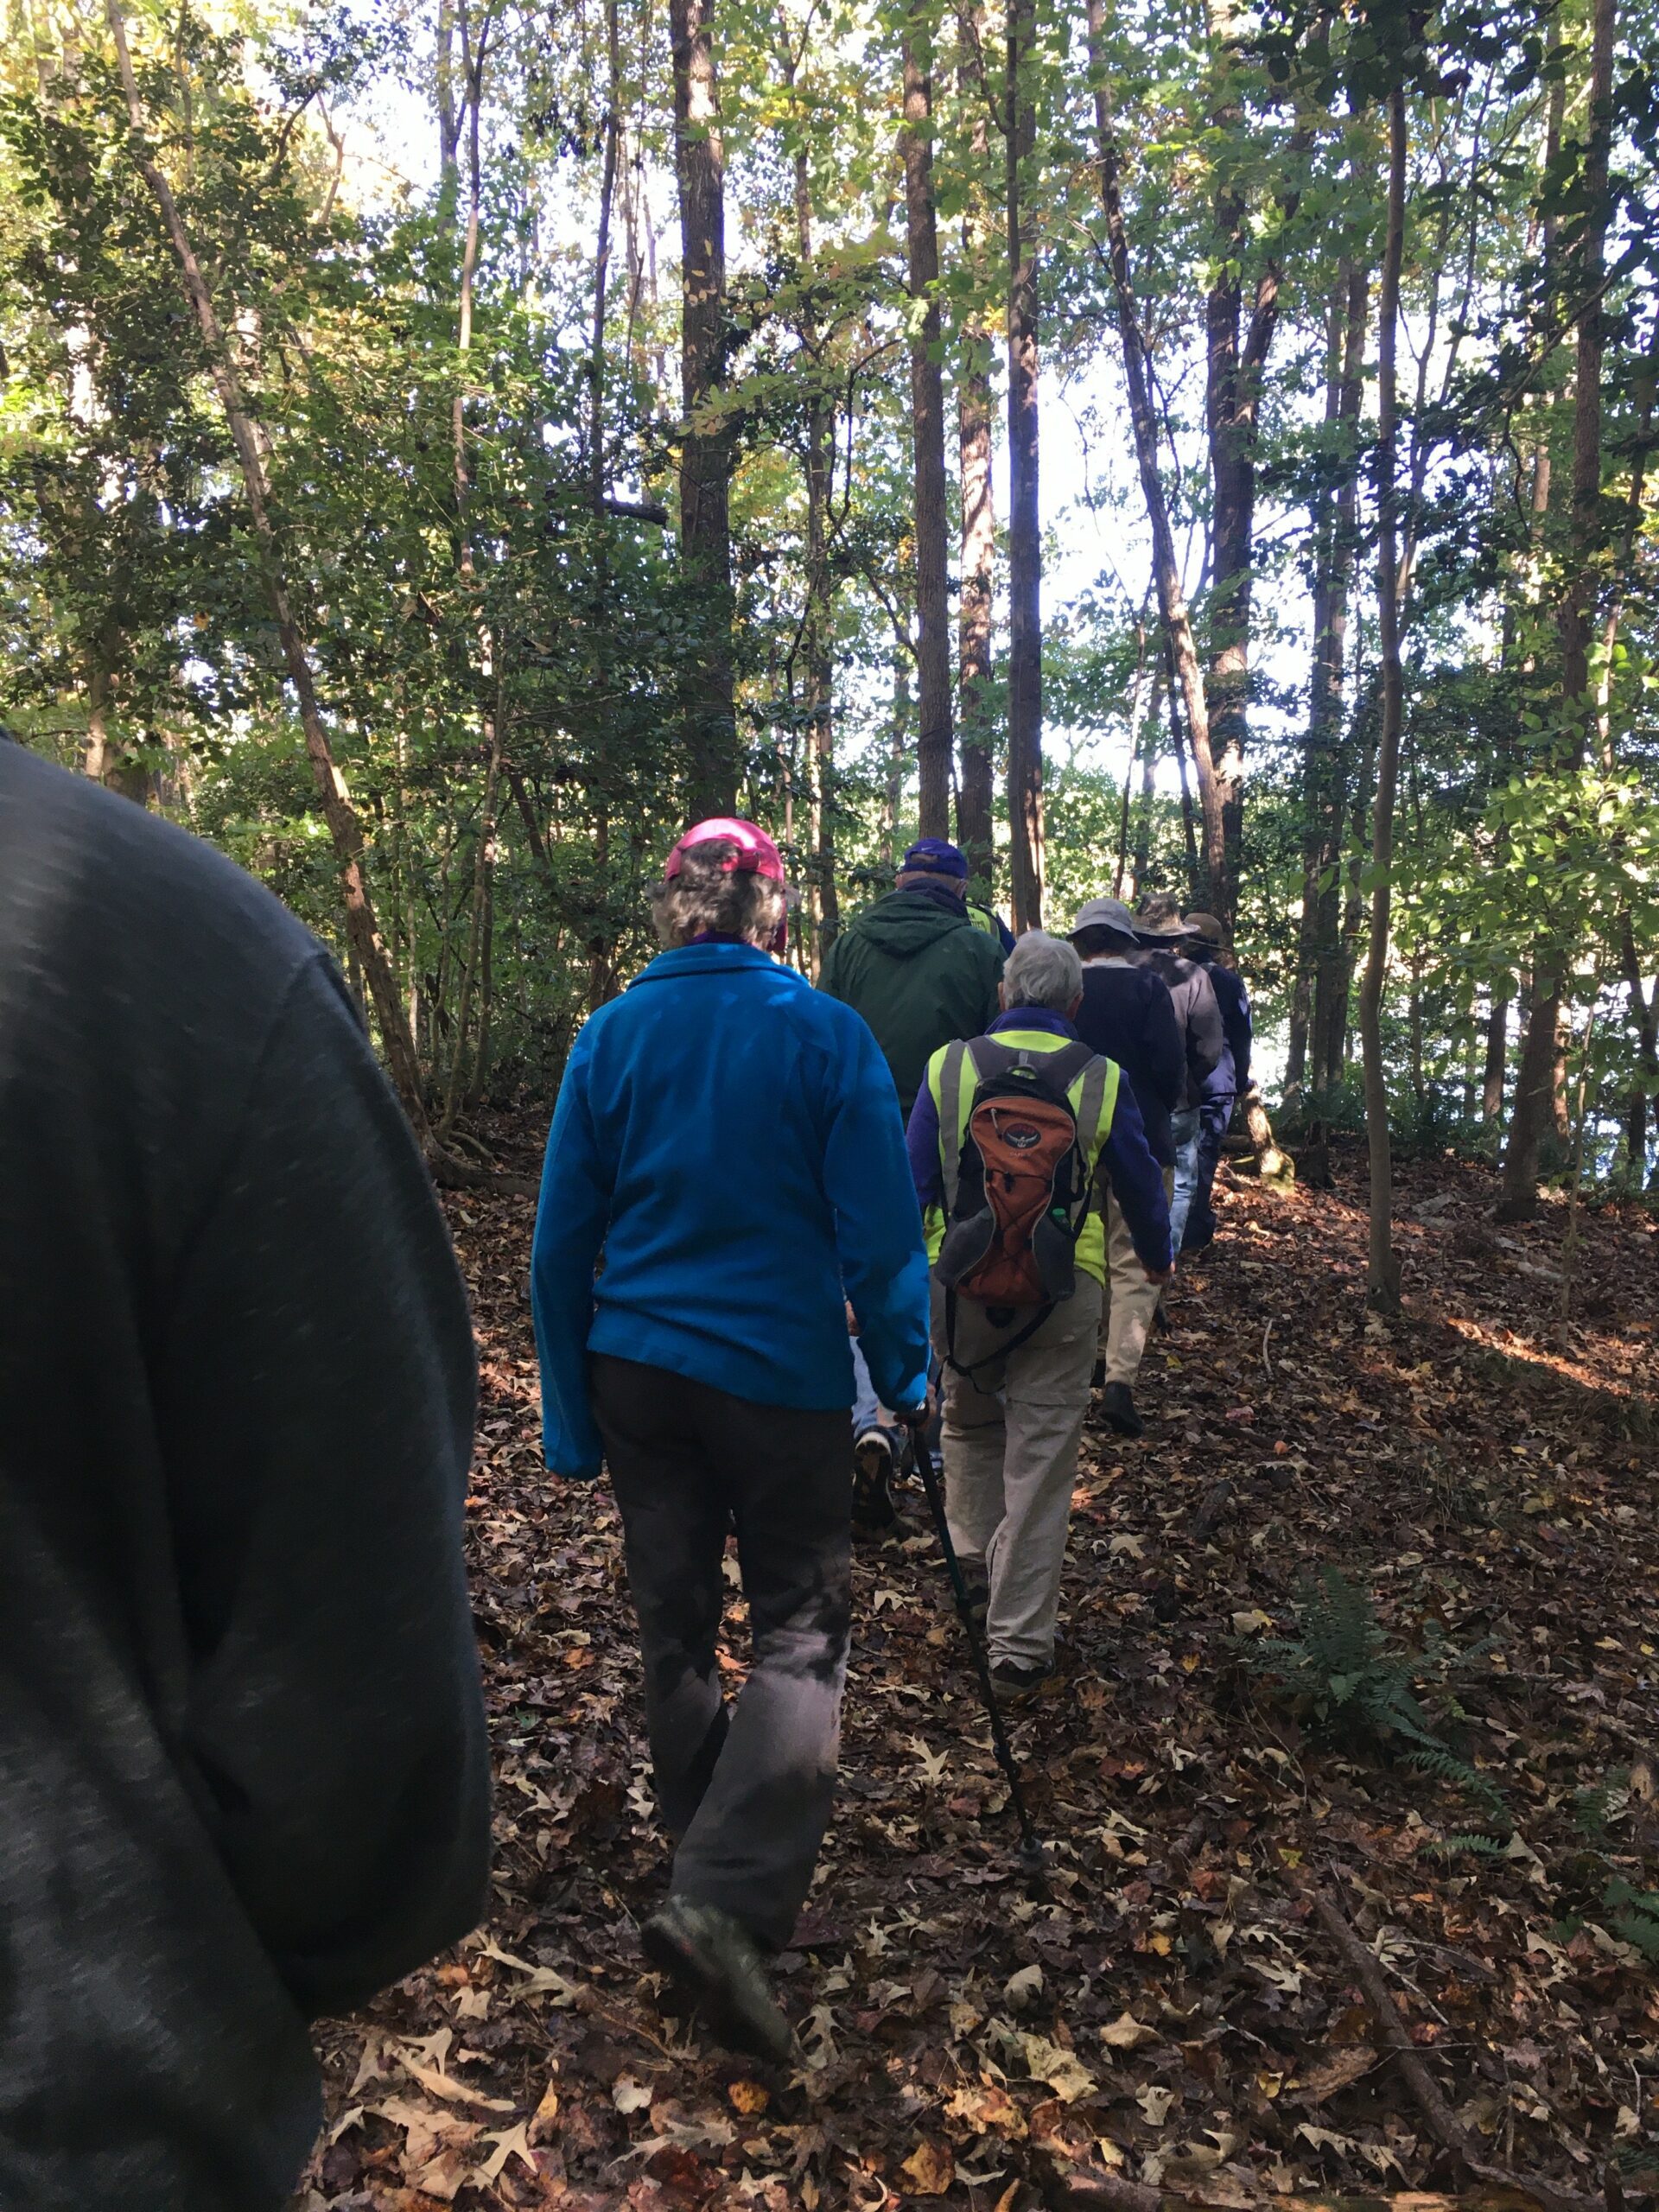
x: 1011, y: 1139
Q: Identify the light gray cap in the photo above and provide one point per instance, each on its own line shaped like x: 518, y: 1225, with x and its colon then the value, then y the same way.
x: 1103, y: 914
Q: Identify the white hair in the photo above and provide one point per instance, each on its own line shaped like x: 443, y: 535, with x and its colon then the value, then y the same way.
x: 1043, y: 971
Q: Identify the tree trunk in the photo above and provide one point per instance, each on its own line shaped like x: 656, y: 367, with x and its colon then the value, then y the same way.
x: 1324, y: 796
x: 602, y: 257
x: 935, y: 737
x: 976, y: 791
x: 1382, y: 1268
x: 818, y: 626
x: 1497, y: 1053
x: 1177, y: 746
x: 1534, y: 1093
x: 344, y: 828
x: 976, y: 783
x: 710, y: 720
x: 103, y: 759
x: 1137, y: 375
x: 1233, y: 385
x: 1024, y: 527
x: 483, y: 867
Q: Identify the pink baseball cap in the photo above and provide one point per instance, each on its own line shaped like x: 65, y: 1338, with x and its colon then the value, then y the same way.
x: 756, y: 855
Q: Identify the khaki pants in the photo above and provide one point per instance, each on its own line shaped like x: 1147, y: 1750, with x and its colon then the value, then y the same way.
x: 1131, y: 1300
x: 1011, y: 1436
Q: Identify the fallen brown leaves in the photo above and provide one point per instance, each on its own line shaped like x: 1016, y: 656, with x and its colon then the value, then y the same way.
x: 1172, y: 2019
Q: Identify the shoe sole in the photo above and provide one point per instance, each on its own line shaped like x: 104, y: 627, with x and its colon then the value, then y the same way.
x: 688, y: 1971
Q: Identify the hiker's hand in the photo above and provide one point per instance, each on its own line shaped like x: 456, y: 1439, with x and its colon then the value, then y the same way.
x: 1158, y: 1275
x: 852, y: 1319
x: 920, y: 1416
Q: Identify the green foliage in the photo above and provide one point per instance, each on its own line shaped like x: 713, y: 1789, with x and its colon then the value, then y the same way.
x: 1346, y: 1671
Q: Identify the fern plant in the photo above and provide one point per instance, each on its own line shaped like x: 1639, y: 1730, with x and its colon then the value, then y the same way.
x: 1633, y: 1917
x: 1346, y: 1673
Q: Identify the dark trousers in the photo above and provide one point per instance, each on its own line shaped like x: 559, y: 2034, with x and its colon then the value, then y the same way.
x: 1215, y: 1117
x: 745, y: 1790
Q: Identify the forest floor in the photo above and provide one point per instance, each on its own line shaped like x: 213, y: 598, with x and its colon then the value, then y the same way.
x: 1181, y: 2009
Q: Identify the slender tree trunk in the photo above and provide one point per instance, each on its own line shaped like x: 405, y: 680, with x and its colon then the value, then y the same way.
x: 935, y: 742
x: 103, y: 759
x: 706, y: 449
x: 818, y: 626
x: 483, y: 869
x: 1324, y: 796
x: 1189, y: 831
x: 1382, y: 1268
x: 976, y: 784
x: 1025, y: 526
x: 976, y: 793
x: 344, y: 828
x: 1137, y: 714
x: 1137, y: 374
x: 1142, y: 855
x: 1535, y: 1092
x: 1233, y: 387
x: 602, y: 257
x: 1497, y: 1053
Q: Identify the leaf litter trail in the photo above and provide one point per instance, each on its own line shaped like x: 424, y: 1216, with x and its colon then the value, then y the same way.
x: 1174, y: 2012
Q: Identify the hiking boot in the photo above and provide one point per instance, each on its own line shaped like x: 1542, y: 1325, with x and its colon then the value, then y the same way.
x: 1098, y: 1379
x: 1117, y: 1403
x: 872, y: 1505
x: 712, y: 1958
x: 1018, y: 1685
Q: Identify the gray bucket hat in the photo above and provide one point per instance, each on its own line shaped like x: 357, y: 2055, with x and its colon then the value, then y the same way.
x: 1103, y: 914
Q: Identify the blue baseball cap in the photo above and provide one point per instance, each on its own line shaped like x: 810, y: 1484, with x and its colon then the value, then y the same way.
x: 935, y: 856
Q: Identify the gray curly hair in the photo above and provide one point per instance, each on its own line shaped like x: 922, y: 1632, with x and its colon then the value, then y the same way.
x: 704, y: 898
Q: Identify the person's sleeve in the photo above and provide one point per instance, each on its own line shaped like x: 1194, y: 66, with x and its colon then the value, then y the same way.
x: 1137, y: 1183
x: 922, y: 1143
x: 1166, y: 1054
x: 316, y: 1397
x: 1206, y: 1039
x: 829, y: 972
x: 877, y: 1222
x: 1244, y: 1033
x: 992, y: 1003
x: 571, y: 1220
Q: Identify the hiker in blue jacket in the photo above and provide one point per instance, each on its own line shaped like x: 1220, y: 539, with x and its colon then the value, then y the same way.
x: 726, y: 1155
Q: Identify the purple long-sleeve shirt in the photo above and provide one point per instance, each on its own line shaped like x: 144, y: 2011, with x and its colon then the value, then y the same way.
x: 1136, y: 1179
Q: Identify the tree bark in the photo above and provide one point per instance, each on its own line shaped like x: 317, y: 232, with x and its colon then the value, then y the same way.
x: 976, y: 780
x: 344, y: 829
x: 1322, y: 781
x: 602, y: 257
x: 1498, y: 1054
x: 1137, y: 374
x: 935, y: 737
x: 710, y: 713
x: 1024, y: 528
x: 1233, y: 387
x: 818, y: 625
x: 1382, y: 1266
x: 1534, y: 1093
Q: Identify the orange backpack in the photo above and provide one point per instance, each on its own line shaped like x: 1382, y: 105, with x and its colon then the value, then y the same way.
x: 1021, y: 1191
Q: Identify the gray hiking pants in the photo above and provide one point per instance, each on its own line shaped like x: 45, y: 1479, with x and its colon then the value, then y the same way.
x: 744, y: 1789
x: 1012, y: 1429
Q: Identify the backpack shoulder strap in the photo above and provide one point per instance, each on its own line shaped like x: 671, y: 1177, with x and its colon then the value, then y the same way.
x: 1097, y: 1101
x: 956, y: 1069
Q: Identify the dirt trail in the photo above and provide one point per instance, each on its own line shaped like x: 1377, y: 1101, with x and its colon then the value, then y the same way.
x: 1174, y: 2012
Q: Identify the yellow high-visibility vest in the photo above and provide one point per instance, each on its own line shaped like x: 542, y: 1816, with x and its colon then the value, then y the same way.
x: 953, y: 1076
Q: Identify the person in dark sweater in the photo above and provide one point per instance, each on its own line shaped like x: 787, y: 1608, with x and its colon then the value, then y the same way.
x: 245, y: 1768
x: 1127, y: 1013
x: 1230, y: 1076
x: 1160, y: 931
x: 922, y: 966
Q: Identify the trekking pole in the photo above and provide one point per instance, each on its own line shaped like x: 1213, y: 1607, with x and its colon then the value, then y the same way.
x: 1031, y: 1853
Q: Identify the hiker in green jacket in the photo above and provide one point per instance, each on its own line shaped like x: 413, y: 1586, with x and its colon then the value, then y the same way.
x: 916, y: 966
x: 923, y: 970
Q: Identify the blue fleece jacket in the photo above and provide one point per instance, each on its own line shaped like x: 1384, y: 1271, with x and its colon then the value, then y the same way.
x: 1131, y: 1168
x: 730, y: 1139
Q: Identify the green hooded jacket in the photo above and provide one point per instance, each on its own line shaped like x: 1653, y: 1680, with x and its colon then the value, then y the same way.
x: 920, y: 973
